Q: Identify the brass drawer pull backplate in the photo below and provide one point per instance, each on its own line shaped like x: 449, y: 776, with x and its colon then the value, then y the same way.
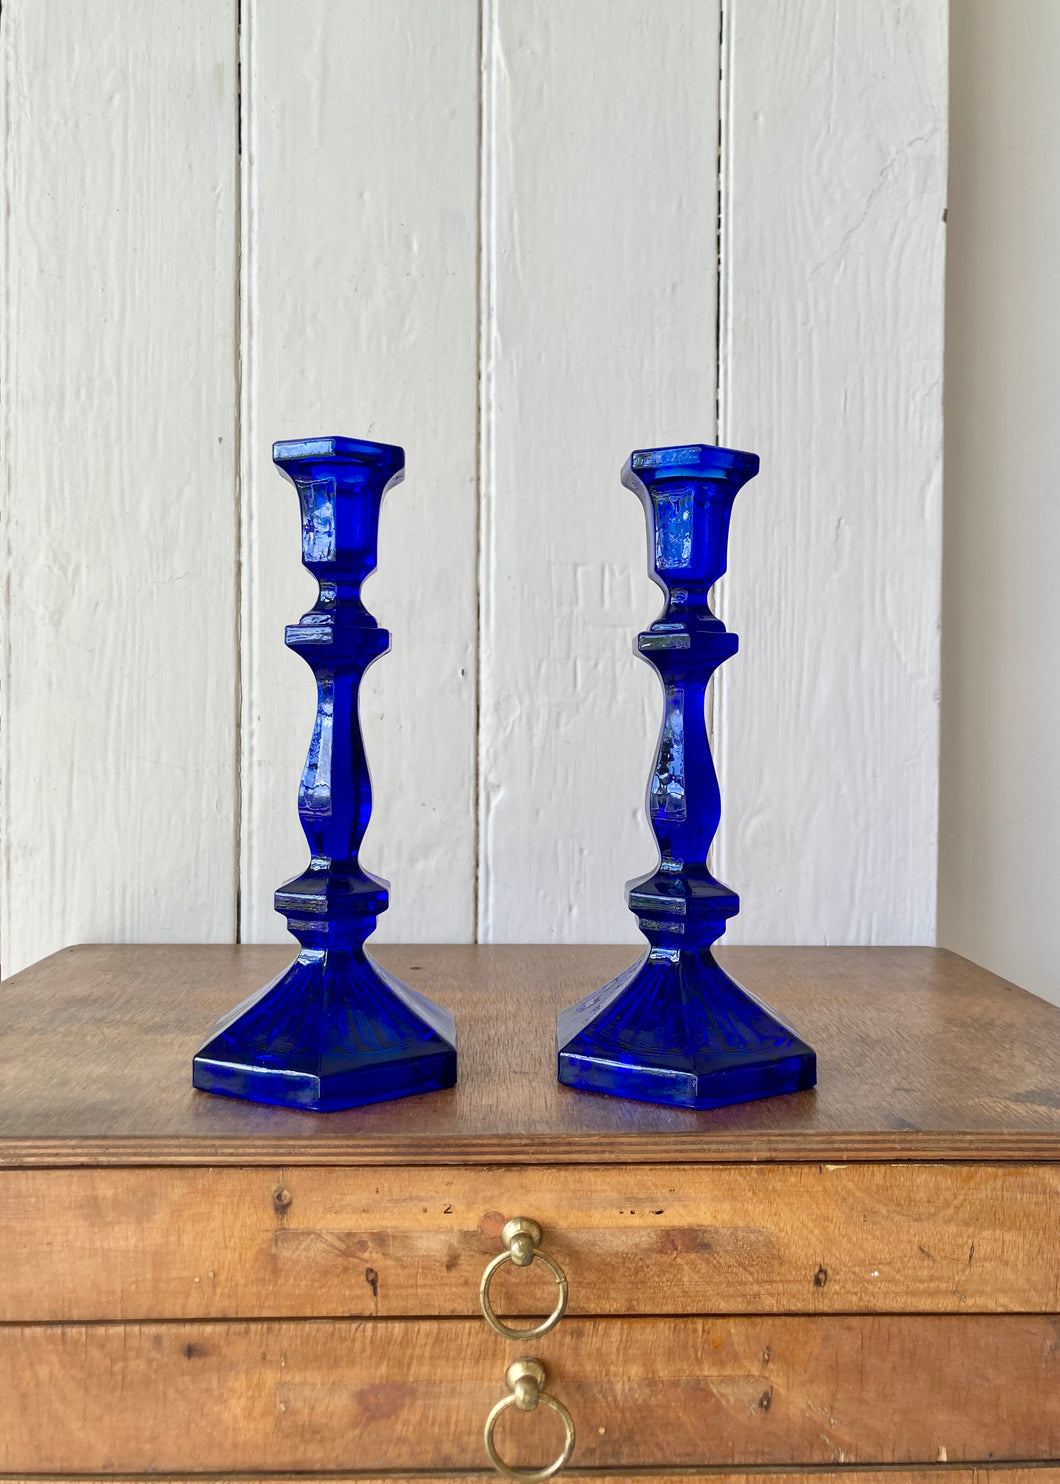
x: 525, y: 1379
x: 522, y: 1238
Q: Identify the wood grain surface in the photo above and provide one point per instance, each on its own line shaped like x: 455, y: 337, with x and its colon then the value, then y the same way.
x: 136, y: 1244
x: 921, y: 1056
x: 937, y: 1474
x: 394, y: 1394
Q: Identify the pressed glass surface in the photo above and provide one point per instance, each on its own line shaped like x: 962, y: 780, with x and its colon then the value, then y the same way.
x: 335, y: 1029
x: 675, y: 1027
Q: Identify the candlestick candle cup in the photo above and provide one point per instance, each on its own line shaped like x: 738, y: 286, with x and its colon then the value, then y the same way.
x: 335, y: 1029
x: 675, y: 1028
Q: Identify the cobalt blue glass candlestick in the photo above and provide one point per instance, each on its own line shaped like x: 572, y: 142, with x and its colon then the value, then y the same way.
x: 335, y: 1029
x: 675, y: 1028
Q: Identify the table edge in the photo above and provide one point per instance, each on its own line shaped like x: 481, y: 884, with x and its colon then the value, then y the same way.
x: 796, y: 1148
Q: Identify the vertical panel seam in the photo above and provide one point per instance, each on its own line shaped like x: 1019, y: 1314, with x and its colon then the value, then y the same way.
x: 486, y: 255
x: 477, y: 683
x: 719, y: 209
x: 5, y: 514
x: 237, y: 843
x: 721, y: 317
x: 244, y: 430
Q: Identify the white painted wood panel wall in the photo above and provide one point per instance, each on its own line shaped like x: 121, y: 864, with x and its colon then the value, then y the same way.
x: 118, y: 686
x: 488, y: 230
x: 833, y: 247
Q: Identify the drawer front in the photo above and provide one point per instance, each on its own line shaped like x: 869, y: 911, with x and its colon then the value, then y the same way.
x: 137, y: 1244
x: 406, y: 1394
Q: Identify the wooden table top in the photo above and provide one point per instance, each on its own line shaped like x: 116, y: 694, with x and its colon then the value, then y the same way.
x: 921, y: 1056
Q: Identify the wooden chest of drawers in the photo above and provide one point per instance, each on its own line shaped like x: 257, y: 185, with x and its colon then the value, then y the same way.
x: 863, y: 1277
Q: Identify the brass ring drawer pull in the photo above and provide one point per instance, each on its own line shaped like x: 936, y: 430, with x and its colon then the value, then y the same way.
x: 525, y: 1379
x: 522, y: 1238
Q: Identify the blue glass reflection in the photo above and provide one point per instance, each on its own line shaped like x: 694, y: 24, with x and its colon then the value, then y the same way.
x: 335, y: 1029
x: 674, y: 1027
